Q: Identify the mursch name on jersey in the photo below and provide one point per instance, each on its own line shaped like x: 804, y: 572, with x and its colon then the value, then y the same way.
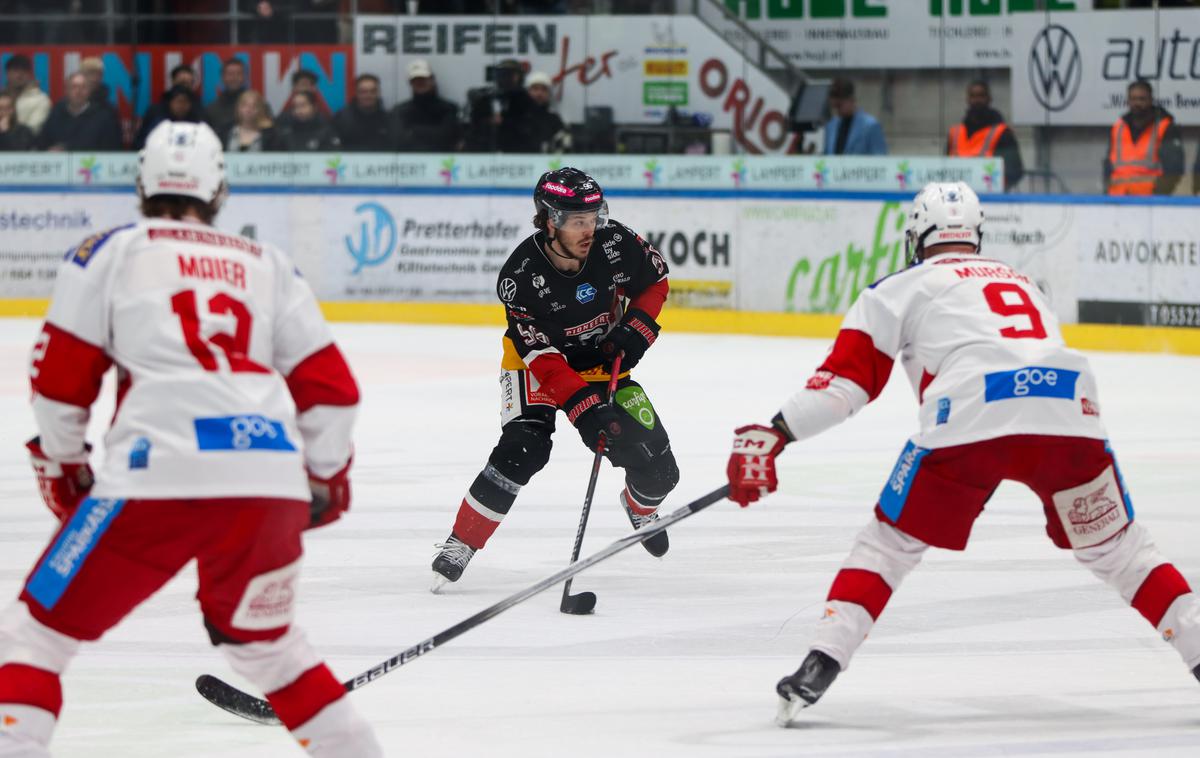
x: 1001, y: 271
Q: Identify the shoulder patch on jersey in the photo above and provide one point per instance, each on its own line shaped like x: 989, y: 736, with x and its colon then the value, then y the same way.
x: 81, y: 256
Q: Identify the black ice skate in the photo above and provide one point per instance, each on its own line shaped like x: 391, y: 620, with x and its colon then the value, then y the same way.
x: 659, y: 543
x: 450, y: 562
x: 1196, y: 671
x: 806, y: 686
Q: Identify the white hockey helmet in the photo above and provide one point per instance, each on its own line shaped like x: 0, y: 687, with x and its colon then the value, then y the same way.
x: 182, y: 158
x: 943, y: 213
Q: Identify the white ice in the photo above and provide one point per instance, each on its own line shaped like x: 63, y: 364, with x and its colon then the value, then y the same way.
x: 1007, y: 649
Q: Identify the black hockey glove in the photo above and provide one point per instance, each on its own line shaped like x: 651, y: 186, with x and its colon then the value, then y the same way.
x: 591, y: 415
x: 635, y: 334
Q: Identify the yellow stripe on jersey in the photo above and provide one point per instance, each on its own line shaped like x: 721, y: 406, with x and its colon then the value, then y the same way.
x: 511, y: 361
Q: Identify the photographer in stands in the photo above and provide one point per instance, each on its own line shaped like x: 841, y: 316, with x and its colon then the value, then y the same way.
x: 502, y: 114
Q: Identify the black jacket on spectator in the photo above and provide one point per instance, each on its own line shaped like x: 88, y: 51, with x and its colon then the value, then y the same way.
x: 364, y: 131
x: 547, y: 127
x: 17, y: 138
x: 426, y: 124
x: 95, y: 128
x: 1006, y: 147
x: 516, y: 132
x: 222, y: 112
x: 313, y: 135
x: 1170, y: 152
x: 268, y: 142
x: 159, y: 112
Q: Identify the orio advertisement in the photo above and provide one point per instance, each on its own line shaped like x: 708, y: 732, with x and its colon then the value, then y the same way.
x: 639, y: 70
x: 1075, y: 69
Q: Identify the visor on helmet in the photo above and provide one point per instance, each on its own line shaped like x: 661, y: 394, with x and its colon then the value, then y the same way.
x: 566, y: 219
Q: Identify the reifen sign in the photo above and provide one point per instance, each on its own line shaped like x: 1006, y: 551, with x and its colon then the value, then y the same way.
x: 1074, y: 69
x: 639, y: 69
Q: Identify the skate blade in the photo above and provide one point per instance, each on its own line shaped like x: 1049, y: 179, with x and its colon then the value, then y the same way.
x: 439, y: 582
x: 788, y: 711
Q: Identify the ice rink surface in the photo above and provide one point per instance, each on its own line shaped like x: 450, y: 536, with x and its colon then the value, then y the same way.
x: 1007, y: 649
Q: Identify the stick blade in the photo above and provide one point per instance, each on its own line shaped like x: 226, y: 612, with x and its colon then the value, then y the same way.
x: 230, y: 698
x: 578, y: 605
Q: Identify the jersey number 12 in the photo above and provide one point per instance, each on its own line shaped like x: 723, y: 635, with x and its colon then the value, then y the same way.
x: 235, y: 346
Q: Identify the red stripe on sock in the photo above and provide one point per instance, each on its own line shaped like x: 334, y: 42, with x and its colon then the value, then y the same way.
x: 473, y: 528
x: 26, y: 685
x: 866, y: 588
x: 304, y: 698
x: 1158, y: 591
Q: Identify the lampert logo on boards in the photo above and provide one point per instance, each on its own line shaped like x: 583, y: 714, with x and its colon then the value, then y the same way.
x: 89, y: 169
x: 335, y: 169
x: 376, y: 238
x: 652, y: 173
x: 1055, y: 67
x: 738, y: 174
x: 449, y: 172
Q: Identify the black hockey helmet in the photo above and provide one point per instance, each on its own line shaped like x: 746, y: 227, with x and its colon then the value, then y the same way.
x: 565, y: 191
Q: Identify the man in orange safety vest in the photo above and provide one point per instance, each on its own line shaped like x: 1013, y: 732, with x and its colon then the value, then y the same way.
x: 982, y: 134
x: 1145, y: 150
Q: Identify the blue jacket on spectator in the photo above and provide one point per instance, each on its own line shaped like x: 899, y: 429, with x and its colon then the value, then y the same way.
x: 864, y: 138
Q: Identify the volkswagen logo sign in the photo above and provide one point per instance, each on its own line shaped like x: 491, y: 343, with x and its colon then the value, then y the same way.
x: 1055, y: 68
x: 376, y: 236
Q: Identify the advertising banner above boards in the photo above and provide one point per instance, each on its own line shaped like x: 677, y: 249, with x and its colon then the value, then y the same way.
x: 638, y: 68
x: 1075, y: 69
x: 137, y: 76
x: 840, y: 34
x: 514, y: 171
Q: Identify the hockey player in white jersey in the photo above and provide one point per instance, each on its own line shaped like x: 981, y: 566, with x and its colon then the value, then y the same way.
x: 1001, y: 398
x: 231, y: 437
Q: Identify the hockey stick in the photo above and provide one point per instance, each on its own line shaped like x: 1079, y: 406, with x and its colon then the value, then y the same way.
x: 249, y: 707
x: 585, y: 602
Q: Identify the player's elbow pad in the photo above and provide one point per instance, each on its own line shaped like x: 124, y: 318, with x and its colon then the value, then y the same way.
x: 812, y: 411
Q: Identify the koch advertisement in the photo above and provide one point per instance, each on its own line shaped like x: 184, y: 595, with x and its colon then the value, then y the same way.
x: 639, y: 70
x: 1074, y: 69
x: 839, y: 34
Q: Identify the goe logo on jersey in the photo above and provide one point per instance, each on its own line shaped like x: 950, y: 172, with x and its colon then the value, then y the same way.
x: 585, y: 293
x: 248, y: 432
x: 1031, y: 381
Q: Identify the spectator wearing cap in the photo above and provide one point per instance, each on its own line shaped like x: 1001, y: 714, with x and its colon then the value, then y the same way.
x: 363, y: 125
x: 76, y: 123
x: 92, y: 69
x: 178, y: 104
x: 548, y: 126
x: 851, y: 131
x: 501, y: 116
x: 14, y: 136
x: 33, y: 106
x: 425, y: 123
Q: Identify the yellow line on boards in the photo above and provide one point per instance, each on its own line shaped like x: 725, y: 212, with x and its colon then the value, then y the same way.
x: 1135, y: 339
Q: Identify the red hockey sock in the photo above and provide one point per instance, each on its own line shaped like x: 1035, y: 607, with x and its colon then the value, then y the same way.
x: 27, y: 685
x: 865, y: 588
x: 1157, y: 591
x: 305, y: 697
x: 476, y: 522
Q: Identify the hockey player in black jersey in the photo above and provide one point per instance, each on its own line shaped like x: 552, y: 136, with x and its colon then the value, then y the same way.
x: 577, y: 292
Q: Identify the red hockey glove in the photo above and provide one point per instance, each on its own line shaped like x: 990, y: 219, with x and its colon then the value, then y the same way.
x: 634, y: 335
x: 330, y: 497
x: 63, y: 485
x: 751, y: 467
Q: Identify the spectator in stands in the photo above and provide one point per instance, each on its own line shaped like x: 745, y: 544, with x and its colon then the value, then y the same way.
x: 983, y: 134
x: 425, y: 123
x: 76, y: 123
x: 181, y: 76
x: 363, y: 125
x: 305, y: 129
x: 14, y: 136
x: 252, y: 130
x: 306, y: 81
x: 92, y: 69
x: 1145, y: 148
x: 220, y: 112
x: 178, y: 104
x: 851, y: 131
x: 501, y: 116
x: 550, y: 131
x: 33, y: 105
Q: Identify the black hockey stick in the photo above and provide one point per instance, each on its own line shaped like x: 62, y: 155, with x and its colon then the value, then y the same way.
x: 249, y: 707
x: 585, y: 602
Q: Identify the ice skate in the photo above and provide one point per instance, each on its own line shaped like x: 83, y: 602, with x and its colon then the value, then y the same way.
x: 806, y: 686
x: 639, y: 517
x: 451, y: 561
x: 1196, y: 671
